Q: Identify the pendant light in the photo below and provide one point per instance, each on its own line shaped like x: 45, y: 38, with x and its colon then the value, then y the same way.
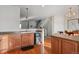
x: 26, y: 12
x: 71, y: 13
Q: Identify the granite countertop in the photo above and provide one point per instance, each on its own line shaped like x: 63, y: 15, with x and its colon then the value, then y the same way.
x: 21, y: 31
x: 4, y: 33
x: 14, y: 31
x: 70, y: 37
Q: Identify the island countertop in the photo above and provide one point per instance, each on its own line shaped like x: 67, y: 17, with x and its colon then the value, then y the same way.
x: 65, y: 36
x: 21, y: 31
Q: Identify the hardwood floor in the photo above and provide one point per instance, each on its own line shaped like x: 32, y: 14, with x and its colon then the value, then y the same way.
x: 35, y: 50
x: 47, y: 45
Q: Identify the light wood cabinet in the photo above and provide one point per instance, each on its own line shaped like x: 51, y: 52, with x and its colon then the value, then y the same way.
x: 20, y: 40
x: 27, y: 39
x: 64, y: 46
x: 69, y: 47
x: 15, y: 40
x: 3, y: 43
x: 56, y: 45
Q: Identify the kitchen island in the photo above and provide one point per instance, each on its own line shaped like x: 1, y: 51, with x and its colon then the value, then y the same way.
x: 22, y: 39
x: 14, y: 40
x: 65, y: 44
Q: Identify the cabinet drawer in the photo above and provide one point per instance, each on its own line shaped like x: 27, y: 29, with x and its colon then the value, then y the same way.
x: 27, y: 34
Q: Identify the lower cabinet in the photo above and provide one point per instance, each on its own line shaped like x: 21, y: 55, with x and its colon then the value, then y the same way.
x: 20, y: 40
x: 3, y: 43
x: 56, y: 45
x: 69, y: 47
x: 64, y: 46
x: 13, y: 41
x: 27, y: 39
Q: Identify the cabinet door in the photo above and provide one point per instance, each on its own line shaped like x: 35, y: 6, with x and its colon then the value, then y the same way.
x: 17, y: 40
x: 3, y: 43
x: 11, y: 41
x: 56, y: 45
x: 47, y: 45
x: 69, y: 47
x: 14, y: 41
x: 24, y: 41
x: 0, y: 43
x: 31, y: 39
x: 27, y: 39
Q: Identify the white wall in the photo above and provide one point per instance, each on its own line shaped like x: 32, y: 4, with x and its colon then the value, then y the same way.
x: 57, y: 11
x: 9, y: 18
x: 48, y: 26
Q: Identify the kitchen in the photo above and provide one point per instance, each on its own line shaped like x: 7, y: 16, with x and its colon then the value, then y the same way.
x: 27, y: 29
x: 12, y: 37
